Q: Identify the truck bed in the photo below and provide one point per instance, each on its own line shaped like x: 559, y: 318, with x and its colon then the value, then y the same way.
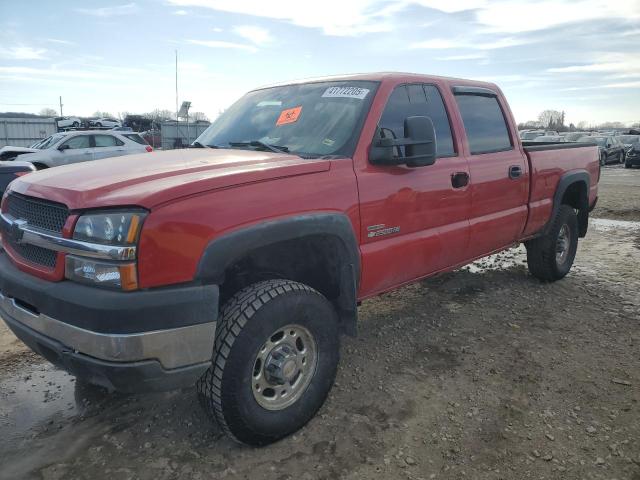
x: 548, y: 162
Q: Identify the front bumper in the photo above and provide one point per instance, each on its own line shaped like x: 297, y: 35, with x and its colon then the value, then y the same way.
x: 633, y: 159
x: 131, y: 342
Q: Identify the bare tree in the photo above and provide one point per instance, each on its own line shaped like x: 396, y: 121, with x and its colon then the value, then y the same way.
x: 48, y: 112
x: 98, y: 113
x: 198, y: 116
x: 551, y: 118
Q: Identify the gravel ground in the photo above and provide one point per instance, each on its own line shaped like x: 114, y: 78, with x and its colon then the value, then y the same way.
x: 483, y: 373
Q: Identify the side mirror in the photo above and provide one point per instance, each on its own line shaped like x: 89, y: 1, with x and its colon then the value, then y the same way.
x: 422, y: 149
x: 419, y: 144
x: 64, y: 147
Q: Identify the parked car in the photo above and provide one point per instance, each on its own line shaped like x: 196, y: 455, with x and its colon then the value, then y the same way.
x: 629, y: 141
x: 574, y: 136
x: 530, y: 134
x: 153, y: 138
x: 611, y: 149
x: 104, y: 122
x: 549, y: 139
x: 81, y: 146
x: 302, y: 200
x: 9, y: 171
x: 632, y: 156
x: 68, y: 122
x: 10, y: 153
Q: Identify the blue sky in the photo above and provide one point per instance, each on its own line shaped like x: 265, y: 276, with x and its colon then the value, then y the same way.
x: 581, y: 56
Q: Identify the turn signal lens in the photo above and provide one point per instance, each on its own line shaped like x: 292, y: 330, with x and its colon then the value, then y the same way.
x: 122, y: 276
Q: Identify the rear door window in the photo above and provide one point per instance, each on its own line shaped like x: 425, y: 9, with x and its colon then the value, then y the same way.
x: 484, y: 123
x: 417, y: 100
x: 136, y: 138
x: 107, y: 141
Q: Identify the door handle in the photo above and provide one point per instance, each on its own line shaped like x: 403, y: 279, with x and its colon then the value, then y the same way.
x: 459, y: 179
x: 515, y: 171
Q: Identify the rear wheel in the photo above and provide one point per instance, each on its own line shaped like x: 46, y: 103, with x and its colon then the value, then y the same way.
x: 75, y: 124
x: 275, y: 360
x: 551, y: 256
x: 98, y: 124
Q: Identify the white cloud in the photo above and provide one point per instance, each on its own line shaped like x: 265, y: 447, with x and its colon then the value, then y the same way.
x: 354, y: 17
x: 223, y: 44
x: 467, y: 43
x: 256, y: 35
x: 181, y: 12
x: 470, y: 56
x: 22, y: 53
x: 607, y: 85
x: 340, y: 18
x: 59, y: 41
x: 114, y: 11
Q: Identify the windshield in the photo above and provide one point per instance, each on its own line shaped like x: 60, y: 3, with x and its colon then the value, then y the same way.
x: 49, y: 141
x: 630, y: 138
x: 311, y: 119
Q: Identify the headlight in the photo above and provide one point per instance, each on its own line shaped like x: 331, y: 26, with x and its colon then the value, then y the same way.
x: 106, y: 228
x: 109, y: 228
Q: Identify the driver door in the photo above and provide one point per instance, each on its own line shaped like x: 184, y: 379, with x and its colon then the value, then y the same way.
x: 79, y: 150
x: 414, y: 221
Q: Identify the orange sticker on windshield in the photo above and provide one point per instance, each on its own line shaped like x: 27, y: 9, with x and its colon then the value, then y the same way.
x: 290, y: 115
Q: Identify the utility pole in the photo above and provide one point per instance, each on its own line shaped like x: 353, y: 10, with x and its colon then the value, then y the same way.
x: 60, y: 105
x: 176, y: 89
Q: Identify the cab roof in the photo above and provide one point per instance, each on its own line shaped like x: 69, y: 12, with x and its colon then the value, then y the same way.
x: 389, y: 76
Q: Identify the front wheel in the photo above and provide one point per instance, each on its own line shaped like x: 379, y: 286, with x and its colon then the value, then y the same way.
x: 275, y: 360
x: 551, y: 256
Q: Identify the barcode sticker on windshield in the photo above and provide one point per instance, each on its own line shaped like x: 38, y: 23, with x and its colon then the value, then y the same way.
x: 346, y: 92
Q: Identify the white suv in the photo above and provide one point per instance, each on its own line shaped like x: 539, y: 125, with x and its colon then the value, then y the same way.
x: 73, y: 147
x: 68, y: 122
x: 104, y: 122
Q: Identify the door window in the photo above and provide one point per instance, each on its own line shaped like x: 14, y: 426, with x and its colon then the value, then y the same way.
x: 484, y: 123
x: 417, y: 100
x: 81, y: 141
x: 107, y: 141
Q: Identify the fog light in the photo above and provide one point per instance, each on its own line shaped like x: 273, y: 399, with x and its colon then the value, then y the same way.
x: 112, y: 275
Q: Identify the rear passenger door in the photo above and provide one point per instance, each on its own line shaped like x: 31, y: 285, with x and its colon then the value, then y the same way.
x: 106, y: 146
x: 498, y: 170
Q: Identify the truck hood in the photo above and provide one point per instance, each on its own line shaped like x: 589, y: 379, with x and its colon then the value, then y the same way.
x: 151, y: 179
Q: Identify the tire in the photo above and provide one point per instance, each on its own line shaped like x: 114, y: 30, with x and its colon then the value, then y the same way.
x: 75, y: 125
x: 249, y: 323
x: 627, y: 164
x: 99, y: 125
x: 621, y: 158
x: 603, y: 160
x: 543, y: 259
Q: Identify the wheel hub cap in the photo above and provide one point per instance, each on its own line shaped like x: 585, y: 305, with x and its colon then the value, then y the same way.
x: 562, y: 244
x: 284, y: 367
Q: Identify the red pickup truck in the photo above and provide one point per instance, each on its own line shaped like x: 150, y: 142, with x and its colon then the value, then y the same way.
x: 236, y: 265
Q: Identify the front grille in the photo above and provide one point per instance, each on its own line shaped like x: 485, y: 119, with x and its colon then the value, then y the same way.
x: 41, y: 214
x: 37, y: 255
x: 38, y: 213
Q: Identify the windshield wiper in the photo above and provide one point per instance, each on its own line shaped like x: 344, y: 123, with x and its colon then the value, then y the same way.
x: 259, y: 143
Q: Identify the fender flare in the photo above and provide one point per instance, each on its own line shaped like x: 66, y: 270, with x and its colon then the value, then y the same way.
x: 225, y: 250
x: 565, y: 182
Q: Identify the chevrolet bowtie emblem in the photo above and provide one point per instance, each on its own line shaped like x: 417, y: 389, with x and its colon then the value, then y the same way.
x: 16, y: 233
